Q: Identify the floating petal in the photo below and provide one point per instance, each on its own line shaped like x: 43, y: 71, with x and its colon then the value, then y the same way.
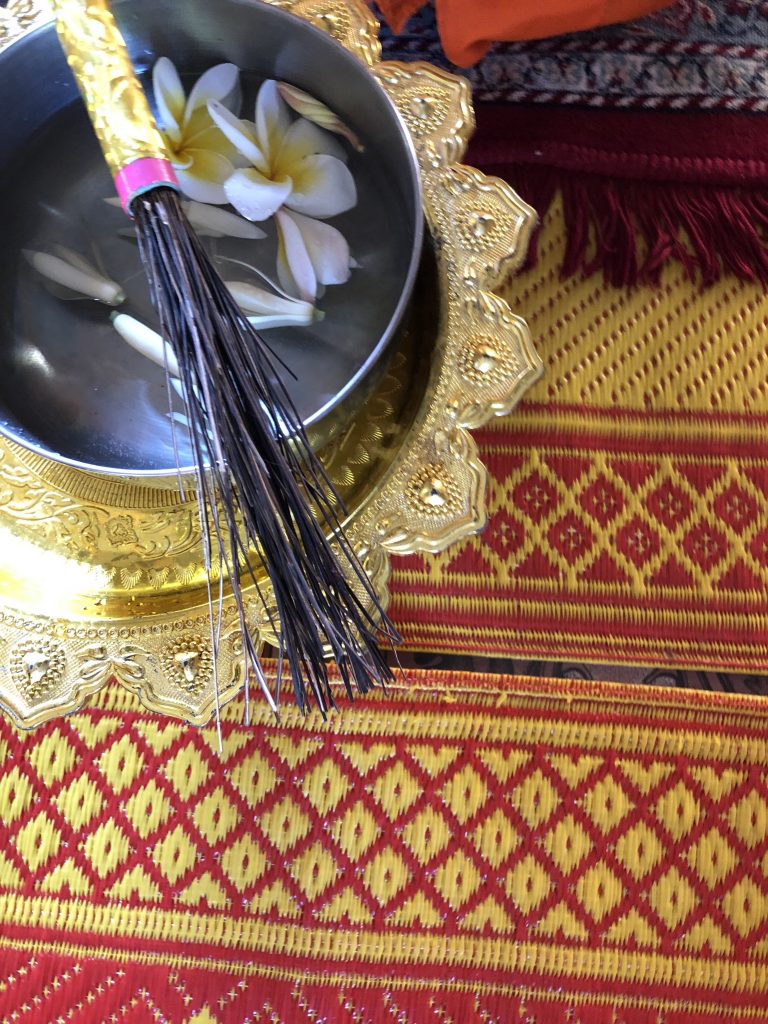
x: 203, y: 181
x: 169, y: 98
x: 218, y: 223
x: 322, y: 187
x: 221, y: 83
x: 305, y: 139
x: 272, y: 118
x: 237, y: 132
x: 294, y: 267
x: 88, y: 283
x: 255, y: 196
x: 146, y: 341
x: 317, y: 112
x: 259, y: 302
x: 326, y: 247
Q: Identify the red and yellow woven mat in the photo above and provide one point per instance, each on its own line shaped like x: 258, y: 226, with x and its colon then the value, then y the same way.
x: 628, y: 505
x: 473, y: 849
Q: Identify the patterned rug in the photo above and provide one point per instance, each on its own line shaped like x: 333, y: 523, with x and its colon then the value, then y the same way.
x: 628, y: 506
x: 651, y: 131
x: 469, y: 848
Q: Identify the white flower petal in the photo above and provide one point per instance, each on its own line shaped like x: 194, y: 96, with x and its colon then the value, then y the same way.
x: 169, y: 98
x: 203, y: 181
x: 221, y: 83
x: 255, y: 196
x: 146, y: 341
x: 317, y: 112
x: 272, y: 117
x: 305, y: 139
x: 294, y: 267
x: 257, y: 301
x: 218, y: 223
x: 88, y: 283
x: 237, y: 133
x: 322, y: 187
x: 326, y: 247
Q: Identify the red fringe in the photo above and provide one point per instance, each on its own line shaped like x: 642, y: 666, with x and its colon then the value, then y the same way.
x: 630, y: 230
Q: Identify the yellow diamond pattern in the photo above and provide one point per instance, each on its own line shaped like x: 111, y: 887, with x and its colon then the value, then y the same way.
x: 106, y: 848
x: 746, y: 907
x: 175, y: 854
x: 465, y: 793
x: 187, y: 771
x: 749, y: 819
x: 38, y: 841
x: 481, y: 845
x: 396, y: 790
x: 356, y: 831
x: 599, y: 890
x: 254, y: 778
x: 386, y: 875
x: 325, y: 786
x: 678, y: 811
x: 79, y: 802
x: 121, y: 764
x: 215, y: 816
x: 639, y: 850
x: 52, y: 758
x: 607, y: 804
x: 567, y: 844
x: 147, y: 809
x: 457, y: 880
x: 427, y: 835
x: 528, y: 884
x: 712, y: 858
x: 535, y: 799
x: 285, y: 824
x: 672, y: 898
x: 495, y: 839
x: 244, y: 862
x: 315, y: 870
x: 15, y: 796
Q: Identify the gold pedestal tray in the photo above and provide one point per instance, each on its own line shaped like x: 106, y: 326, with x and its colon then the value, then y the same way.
x: 102, y: 577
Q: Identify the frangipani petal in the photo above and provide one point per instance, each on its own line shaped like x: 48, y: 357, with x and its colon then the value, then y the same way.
x: 322, y: 187
x: 304, y: 139
x: 210, y: 137
x: 327, y: 249
x: 221, y: 83
x: 203, y: 181
x: 169, y: 98
x: 294, y: 267
x: 237, y: 133
x: 257, y: 301
x: 272, y: 117
x: 317, y: 112
x: 253, y: 195
x: 218, y: 223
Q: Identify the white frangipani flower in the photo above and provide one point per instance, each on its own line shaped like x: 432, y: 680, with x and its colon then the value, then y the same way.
x: 293, y: 163
x: 73, y: 273
x: 265, y: 309
x: 309, y: 254
x: 202, y: 157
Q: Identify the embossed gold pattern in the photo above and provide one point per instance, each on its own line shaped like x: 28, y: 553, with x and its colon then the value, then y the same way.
x: 109, y: 568
x: 116, y: 103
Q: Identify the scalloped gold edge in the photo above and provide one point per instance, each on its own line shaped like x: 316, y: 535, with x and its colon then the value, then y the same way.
x: 440, y: 439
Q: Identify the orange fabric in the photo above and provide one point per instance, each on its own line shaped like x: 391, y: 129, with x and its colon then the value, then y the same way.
x: 469, y: 27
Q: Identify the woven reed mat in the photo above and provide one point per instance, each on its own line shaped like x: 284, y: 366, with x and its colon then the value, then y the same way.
x: 471, y: 849
x: 628, y: 501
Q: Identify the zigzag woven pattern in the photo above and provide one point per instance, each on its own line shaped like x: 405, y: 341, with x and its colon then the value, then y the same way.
x: 469, y: 848
x: 628, y: 505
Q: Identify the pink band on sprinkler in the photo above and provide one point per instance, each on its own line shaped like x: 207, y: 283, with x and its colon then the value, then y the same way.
x: 141, y: 176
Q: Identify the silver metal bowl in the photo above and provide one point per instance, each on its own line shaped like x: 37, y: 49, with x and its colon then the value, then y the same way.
x: 70, y: 389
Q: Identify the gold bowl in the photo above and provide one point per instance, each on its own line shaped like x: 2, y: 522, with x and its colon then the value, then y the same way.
x: 102, y: 577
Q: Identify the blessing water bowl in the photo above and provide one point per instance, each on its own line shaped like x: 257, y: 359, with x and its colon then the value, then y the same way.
x: 71, y: 389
